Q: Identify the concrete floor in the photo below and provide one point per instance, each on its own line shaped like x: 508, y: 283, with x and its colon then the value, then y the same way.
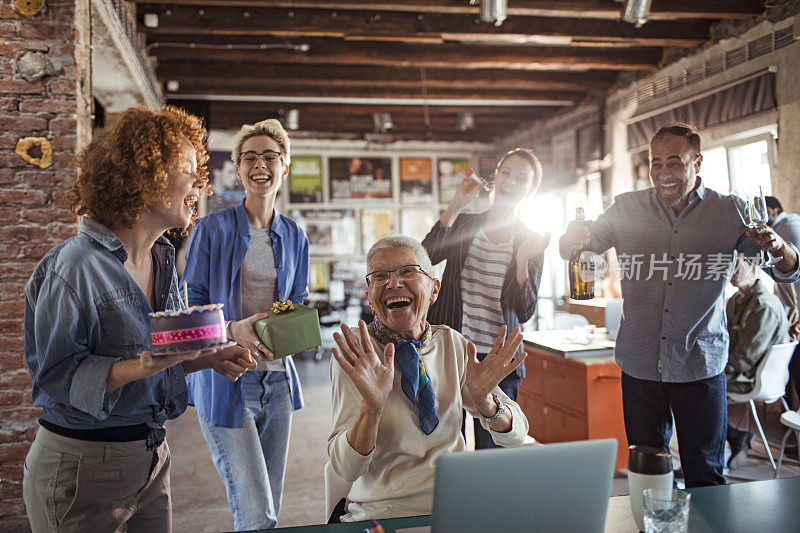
x: 199, y: 503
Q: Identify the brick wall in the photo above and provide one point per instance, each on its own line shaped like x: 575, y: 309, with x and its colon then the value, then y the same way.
x: 55, y: 104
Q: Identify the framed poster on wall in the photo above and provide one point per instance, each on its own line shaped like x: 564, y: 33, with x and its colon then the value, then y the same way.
x: 451, y: 172
x: 317, y: 276
x: 416, y: 223
x: 416, y: 180
x: 375, y: 223
x: 305, y: 179
x: 351, y: 275
x: 329, y: 231
x: 228, y: 190
x: 360, y: 177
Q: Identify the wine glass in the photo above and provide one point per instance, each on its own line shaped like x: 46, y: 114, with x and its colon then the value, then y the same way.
x: 760, y: 217
x: 744, y: 206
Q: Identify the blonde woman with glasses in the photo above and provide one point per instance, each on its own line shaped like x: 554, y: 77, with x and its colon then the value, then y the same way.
x: 247, y: 257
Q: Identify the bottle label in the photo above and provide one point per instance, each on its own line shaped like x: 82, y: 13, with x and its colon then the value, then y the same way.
x: 591, y: 266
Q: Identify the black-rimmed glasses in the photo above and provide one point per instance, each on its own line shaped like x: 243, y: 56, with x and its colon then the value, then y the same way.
x: 377, y: 278
x: 270, y: 157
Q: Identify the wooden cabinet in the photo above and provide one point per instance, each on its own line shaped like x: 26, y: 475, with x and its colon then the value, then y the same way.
x: 573, y: 399
x: 593, y: 310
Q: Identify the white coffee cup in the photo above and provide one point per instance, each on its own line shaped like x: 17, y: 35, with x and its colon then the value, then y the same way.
x: 647, y: 468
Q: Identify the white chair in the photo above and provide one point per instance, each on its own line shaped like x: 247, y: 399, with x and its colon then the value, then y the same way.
x: 336, y: 488
x: 790, y: 419
x: 769, y: 386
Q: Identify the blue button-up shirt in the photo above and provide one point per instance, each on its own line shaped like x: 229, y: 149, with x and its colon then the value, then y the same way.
x: 673, y: 271
x: 83, y: 313
x: 213, y: 274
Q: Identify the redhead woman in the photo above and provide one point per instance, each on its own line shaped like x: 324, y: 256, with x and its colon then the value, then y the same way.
x: 100, y: 461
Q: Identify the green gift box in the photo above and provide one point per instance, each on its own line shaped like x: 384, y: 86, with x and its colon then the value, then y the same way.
x: 289, y: 332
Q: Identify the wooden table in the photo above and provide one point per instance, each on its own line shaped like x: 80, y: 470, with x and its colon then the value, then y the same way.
x: 572, y: 391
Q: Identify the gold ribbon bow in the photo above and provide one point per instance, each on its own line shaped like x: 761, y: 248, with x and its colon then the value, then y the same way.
x: 282, y: 306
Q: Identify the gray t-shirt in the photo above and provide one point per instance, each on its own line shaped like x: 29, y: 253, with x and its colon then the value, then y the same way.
x: 260, y: 282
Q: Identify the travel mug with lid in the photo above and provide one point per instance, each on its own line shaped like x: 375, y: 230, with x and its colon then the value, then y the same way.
x: 647, y: 468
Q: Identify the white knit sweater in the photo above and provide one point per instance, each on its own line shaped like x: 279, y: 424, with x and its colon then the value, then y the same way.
x: 396, y: 478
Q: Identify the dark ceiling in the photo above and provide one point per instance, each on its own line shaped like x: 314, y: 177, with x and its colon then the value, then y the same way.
x: 425, y: 62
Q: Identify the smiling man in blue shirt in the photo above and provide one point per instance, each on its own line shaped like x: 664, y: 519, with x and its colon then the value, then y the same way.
x: 677, y: 243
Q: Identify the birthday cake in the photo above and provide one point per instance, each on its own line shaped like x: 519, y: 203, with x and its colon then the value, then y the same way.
x: 199, y: 327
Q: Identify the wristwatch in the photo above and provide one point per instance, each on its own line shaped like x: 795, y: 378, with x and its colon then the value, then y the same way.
x: 501, y: 408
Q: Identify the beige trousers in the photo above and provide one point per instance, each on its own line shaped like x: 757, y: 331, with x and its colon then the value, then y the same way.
x: 77, y: 485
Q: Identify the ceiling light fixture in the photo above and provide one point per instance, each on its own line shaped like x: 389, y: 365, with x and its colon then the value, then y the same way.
x: 466, y: 121
x: 636, y: 12
x: 293, y: 119
x: 151, y: 20
x: 493, y: 10
x: 383, y: 122
x: 173, y: 85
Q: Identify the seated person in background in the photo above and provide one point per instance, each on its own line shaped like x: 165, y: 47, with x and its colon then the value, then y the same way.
x: 389, y: 427
x: 756, y: 321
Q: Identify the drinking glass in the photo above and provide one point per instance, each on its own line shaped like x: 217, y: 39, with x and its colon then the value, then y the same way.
x: 743, y: 200
x: 665, y: 510
x: 761, y: 217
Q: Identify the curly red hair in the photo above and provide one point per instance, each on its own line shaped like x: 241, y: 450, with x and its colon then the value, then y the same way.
x: 124, y: 173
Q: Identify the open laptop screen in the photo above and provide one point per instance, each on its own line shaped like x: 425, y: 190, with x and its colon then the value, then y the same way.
x: 552, y: 487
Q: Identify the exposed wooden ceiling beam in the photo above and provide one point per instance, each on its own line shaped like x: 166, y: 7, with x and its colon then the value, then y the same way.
x: 359, y: 76
x: 238, y: 87
x: 278, y: 109
x: 597, y: 9
x: 410, y: 27
x: 334, y: 52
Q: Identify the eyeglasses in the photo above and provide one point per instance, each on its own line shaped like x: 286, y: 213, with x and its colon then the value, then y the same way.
x: 405, y: 273
x: 270, y: 157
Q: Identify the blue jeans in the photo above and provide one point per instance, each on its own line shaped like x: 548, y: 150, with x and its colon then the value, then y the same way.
x: 509, y: 385
x: 251, y: 460
x: 701, y: 418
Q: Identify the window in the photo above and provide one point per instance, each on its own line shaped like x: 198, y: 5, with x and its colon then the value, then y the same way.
x: 742, y: 164
x: 749, y: 166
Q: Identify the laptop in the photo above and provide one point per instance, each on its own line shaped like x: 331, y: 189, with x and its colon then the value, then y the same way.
x: 613, y: 317
x: 544, y: 488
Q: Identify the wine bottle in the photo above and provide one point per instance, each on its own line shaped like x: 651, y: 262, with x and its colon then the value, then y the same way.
x: 581, y: 270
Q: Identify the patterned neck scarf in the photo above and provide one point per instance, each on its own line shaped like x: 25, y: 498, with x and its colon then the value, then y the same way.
x: 414, y: 379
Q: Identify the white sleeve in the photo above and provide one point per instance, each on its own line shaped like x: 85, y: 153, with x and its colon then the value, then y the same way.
x: 519, y: 422
x: 346, y: 400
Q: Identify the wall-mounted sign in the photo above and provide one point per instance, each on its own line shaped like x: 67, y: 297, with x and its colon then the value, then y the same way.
x: 359, y: 177
x: 305, y: 179
x: 228, y: 191
x: 329, y: 231
x: 451, y: 173
x: 416, y: 178
x: 375, y: 223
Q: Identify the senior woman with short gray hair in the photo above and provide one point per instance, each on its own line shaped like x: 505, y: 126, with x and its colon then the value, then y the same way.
x: 399, y: 385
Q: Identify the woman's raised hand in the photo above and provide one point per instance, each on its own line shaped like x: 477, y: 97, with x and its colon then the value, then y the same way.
x: 372, y: 374
x: 483, y: 376
x: 243, y: 333
x: 467, y: 191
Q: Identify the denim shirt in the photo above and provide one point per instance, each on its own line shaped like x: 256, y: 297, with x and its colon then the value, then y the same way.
x: 83, y: 313
x: 673, y: 272
x: 213, y: 274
